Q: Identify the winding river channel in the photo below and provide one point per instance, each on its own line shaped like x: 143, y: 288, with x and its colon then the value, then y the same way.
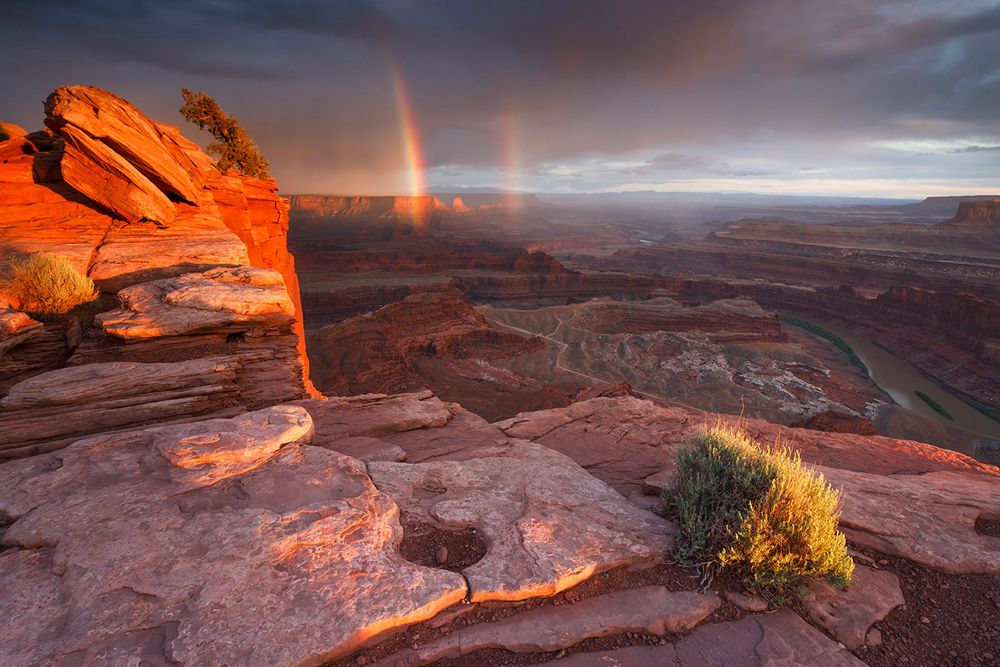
x: 898, y: 378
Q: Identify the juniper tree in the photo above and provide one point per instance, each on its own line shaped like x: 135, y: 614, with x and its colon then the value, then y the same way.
x: 233, y: 148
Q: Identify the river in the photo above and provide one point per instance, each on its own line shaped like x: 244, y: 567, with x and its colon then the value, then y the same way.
x: 898, y: 378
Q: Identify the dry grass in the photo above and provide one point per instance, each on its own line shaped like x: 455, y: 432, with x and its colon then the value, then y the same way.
x: 757, y: 511
x: 47, y: 285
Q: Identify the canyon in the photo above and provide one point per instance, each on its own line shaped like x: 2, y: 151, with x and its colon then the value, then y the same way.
x: 336, y: 431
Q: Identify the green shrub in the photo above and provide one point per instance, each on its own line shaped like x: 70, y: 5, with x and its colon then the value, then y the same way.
x: 44, y: 284
x: 233, y: 148
x: 937, y: 407
x: 755, y: 511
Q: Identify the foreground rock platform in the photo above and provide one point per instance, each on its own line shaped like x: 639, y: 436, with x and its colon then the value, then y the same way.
x: 901, y: 497
x: 767, y: 640
x: 220, y: 542
x: 548, y: 524
x: 651, y: 609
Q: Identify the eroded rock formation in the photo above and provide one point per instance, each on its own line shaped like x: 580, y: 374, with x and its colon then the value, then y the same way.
x: 377, y: 352
x: 143, y: 212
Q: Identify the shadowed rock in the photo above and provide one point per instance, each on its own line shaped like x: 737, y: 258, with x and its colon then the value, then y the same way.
x: 652, y: 609
x: 781, y: 638
x: 848, y: 614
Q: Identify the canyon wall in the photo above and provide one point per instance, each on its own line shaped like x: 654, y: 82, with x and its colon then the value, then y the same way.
x: 976, y: 215
x: 376, y: 352
x: 366, y: 207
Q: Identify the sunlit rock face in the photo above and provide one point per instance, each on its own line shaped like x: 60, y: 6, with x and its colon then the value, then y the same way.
x: 132, y: 203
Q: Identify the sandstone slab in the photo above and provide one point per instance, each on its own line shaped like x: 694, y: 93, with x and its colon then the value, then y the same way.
x: 220, y: 542
x: 111, y: 121
x: 375, y: 415
x: 16, y: 328
x: 767, y: 640
x: 102, y: 175
x: 196, y: 240
x: 51, y: 410
x: 848, y: 614
x: 547, y: 522
x: 927, y: 518
x: 652, y: 609
x: 219, y: 299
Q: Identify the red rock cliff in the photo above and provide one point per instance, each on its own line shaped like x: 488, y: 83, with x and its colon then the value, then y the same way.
x: 210, y: 320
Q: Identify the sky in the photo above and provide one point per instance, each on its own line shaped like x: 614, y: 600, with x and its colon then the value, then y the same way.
x: 845, y: 97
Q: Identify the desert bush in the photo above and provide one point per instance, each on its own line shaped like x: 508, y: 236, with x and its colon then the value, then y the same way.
x: 756, y: 511
x: 233, y: 148
x: 44, y: 284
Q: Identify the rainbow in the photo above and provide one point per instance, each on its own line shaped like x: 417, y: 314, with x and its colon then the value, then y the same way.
x: 409, y: 134
x: 511, y: 149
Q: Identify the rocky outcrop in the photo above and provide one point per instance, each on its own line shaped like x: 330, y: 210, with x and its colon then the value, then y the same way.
x: 376, y: 352
x: 201, y: 344
x: 135, y: 206
x: 901, y: 497
x: 230, y: 301
x: 366, y: 207
x: 98, y: 116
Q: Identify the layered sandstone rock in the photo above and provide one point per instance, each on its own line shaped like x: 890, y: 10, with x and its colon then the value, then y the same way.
x: 222, y: 300
x: 651, y: 609
x: 976, y: 215
x: 135, y: 205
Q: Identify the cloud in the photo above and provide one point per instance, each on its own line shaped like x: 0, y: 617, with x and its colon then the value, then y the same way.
x: 656, y: 90
x: 975, y: 149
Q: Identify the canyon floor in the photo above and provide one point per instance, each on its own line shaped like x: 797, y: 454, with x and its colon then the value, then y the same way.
x: 412, y: 431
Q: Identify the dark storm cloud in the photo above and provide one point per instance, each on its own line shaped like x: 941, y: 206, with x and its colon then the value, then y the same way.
x: 621, y: 91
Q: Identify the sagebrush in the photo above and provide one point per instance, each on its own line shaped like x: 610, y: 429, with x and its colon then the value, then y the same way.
x: 233, y: 148
x: 44, y: 284
x: 756, y: 511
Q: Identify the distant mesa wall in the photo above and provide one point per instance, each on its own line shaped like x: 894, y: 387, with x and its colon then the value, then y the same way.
x: 976, y: 215
x: 398, y: 207
x: 365, y: 207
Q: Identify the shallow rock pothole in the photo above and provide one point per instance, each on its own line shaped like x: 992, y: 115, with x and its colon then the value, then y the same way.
x: 988, y: 526
x: 427, y: 545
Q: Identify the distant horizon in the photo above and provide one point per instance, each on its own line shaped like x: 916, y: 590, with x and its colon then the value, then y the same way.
x: 485, y: 191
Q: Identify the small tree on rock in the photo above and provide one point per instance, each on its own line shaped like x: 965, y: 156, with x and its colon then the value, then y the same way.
x: 233, y: 148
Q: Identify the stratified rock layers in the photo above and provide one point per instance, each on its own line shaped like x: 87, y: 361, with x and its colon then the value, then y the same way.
x: 134, y: 205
